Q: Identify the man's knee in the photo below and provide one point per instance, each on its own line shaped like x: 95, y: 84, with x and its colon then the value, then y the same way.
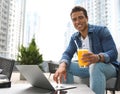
x: 96, y: 67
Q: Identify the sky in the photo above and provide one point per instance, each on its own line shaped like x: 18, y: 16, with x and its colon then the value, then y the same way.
x: 54, y: 16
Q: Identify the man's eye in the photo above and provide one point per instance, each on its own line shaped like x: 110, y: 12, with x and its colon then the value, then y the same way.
x: 73, y: 20
x: 80, y: 17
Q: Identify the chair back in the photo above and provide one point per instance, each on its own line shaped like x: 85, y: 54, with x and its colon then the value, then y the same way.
x: 7, y: 66
x: 118, y: 76
x: 113, y: 84
x: 117, y: 87
x: 52, y: 67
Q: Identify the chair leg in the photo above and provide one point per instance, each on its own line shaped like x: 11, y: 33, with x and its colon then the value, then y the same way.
x: 112, y: 92
x: 106, y: 91
x: 49, y: 75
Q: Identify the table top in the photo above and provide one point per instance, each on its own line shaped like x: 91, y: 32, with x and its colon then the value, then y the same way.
x: 28, y: 89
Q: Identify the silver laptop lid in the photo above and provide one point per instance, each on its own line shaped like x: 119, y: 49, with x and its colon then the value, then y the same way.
x: 35, y: 76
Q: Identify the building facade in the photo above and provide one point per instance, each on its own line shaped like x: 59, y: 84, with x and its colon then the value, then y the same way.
x: 4, y: 19
x: 16, y: 27
x: 11, y: 27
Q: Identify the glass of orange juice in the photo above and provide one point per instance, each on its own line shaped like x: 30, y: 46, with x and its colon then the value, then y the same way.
x: 80, y: 52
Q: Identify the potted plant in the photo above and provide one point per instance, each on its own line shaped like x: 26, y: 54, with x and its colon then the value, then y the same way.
x: 29, y: 55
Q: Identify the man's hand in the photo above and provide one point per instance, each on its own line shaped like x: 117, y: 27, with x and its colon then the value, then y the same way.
x: 61, y: 72
x: 90, y: 57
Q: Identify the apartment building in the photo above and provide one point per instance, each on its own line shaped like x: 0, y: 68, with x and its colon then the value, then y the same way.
x: 4, y: 19
x: 16, y: 27
x: 11, y: 27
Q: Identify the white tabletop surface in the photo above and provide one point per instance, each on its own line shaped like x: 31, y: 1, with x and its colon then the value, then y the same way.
x: 28, y: 89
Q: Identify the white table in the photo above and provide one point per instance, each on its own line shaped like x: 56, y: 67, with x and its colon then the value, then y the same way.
x: 28, y: 89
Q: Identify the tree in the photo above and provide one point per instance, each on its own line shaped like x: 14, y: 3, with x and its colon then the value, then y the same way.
x: 29, y: 55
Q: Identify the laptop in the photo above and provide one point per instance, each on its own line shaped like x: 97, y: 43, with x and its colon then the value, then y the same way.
x: 36, y: 78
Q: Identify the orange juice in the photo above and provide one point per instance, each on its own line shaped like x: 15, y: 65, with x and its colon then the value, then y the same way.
x: 80, y: 53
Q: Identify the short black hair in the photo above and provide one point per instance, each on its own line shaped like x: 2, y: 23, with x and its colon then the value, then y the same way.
x: 79, y: 8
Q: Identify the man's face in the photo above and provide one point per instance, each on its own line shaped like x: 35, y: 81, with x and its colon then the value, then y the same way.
x: 79, y: 20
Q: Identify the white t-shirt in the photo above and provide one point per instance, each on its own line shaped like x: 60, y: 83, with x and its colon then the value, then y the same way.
x: 85, y: 43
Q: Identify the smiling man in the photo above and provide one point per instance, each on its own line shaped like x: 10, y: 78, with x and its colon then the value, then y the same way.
x: 101, y: 57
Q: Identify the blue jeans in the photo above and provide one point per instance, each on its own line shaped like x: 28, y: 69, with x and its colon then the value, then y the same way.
x: 98, y: 73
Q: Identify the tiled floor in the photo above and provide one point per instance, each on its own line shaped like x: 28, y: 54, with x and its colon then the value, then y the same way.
x: 16, y: 79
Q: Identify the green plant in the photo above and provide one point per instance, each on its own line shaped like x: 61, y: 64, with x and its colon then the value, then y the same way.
x: 29, y: 55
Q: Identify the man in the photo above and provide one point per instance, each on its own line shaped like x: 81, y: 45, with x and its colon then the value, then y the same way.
x: 102, y: 53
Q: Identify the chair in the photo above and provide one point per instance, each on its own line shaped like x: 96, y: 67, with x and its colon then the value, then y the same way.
x: 113, y: 84
x: 52, y: 67
x: 7, y: 67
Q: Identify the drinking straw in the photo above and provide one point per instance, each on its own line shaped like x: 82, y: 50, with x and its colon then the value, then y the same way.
x: 76, y: 44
